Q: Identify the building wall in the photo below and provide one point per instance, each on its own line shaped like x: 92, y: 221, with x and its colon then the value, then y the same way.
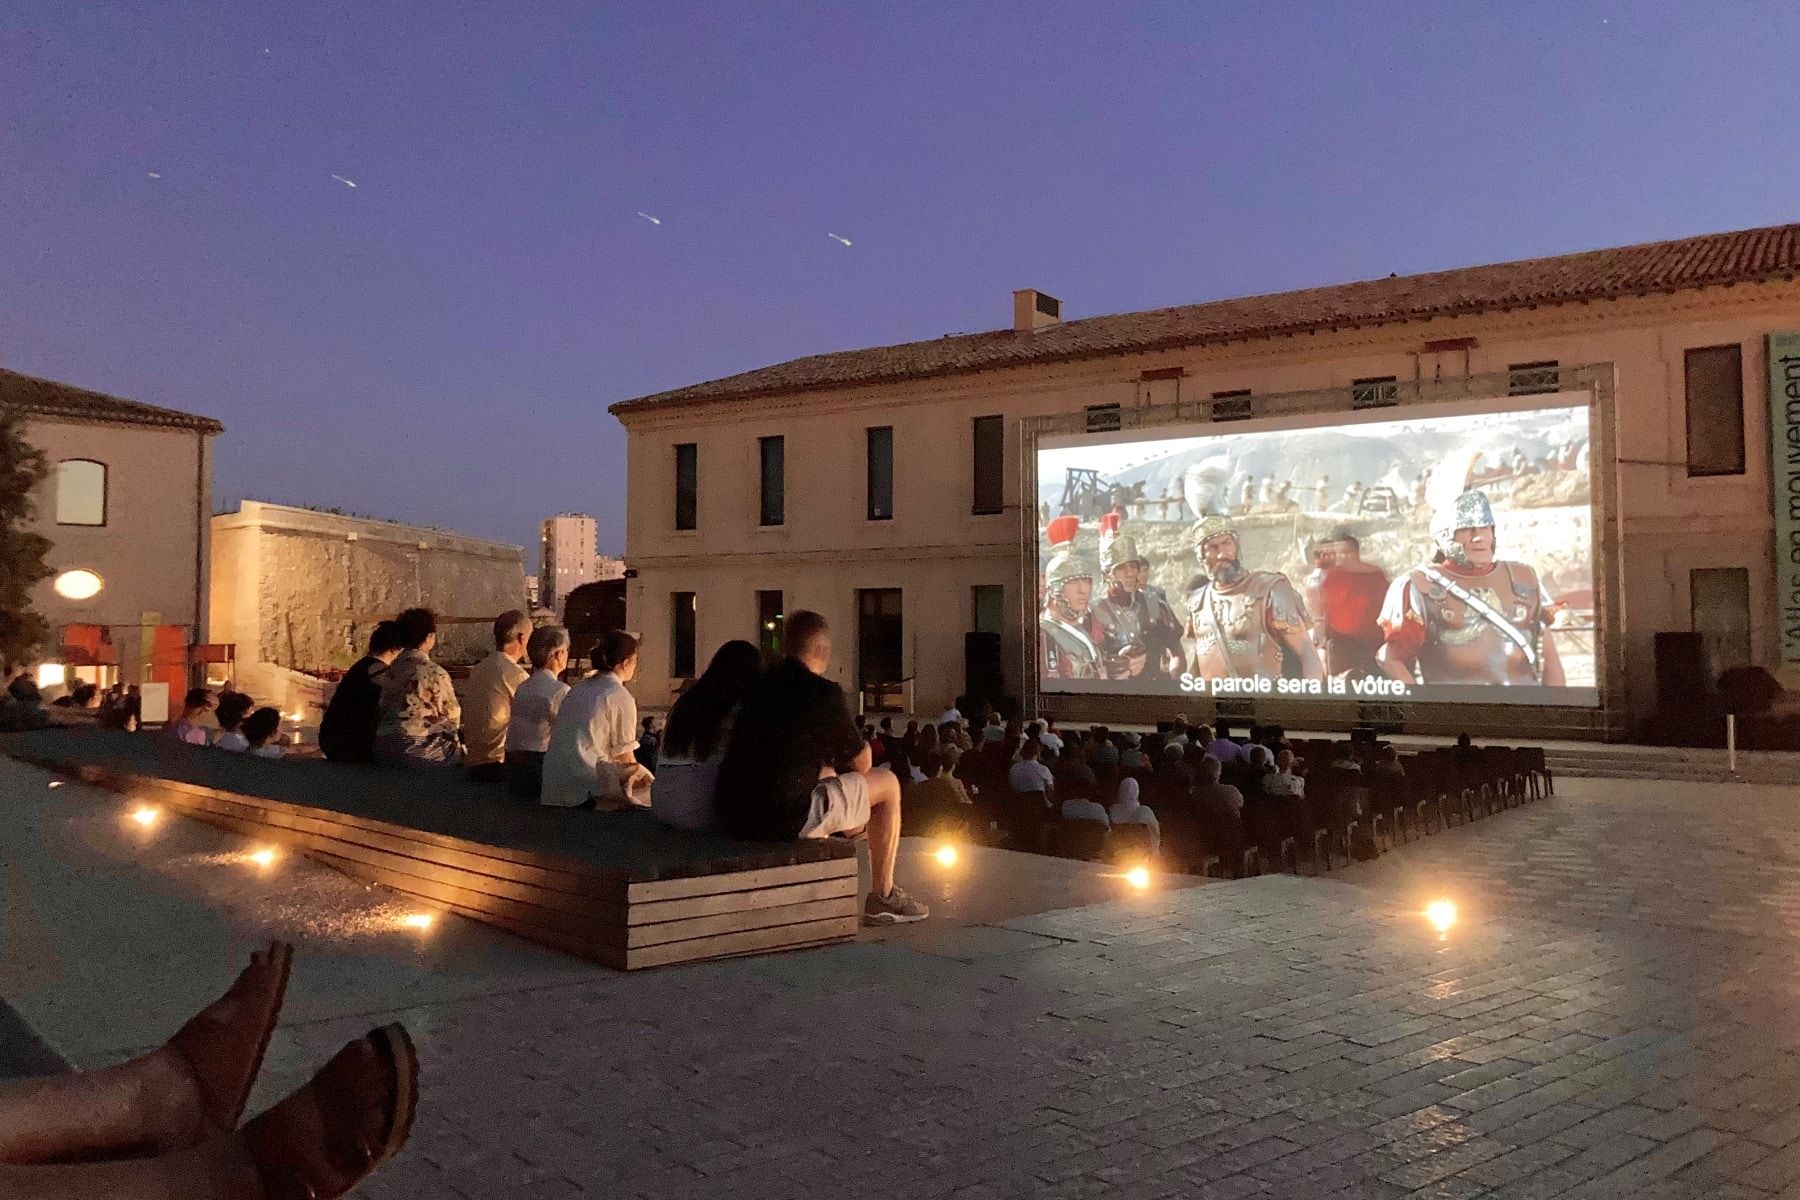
x: 1667, y: 523
x: 151, y: 554
x: 301, y: 591
x: 569, y: 556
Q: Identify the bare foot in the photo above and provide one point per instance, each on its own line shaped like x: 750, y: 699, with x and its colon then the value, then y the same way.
x: 221, y: 1049
x: 353, y: 1116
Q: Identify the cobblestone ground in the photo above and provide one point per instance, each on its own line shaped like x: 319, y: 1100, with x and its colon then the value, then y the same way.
x: 1615, y: 1015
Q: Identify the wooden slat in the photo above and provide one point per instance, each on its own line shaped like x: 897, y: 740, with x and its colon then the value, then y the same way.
x: 785, y: 937
x: 719, y: 902
x: 735, y: 922
x: 738, y: 881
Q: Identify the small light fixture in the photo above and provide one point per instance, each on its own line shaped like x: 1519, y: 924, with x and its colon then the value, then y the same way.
x: 946, y: 855
x: 263, y: 857
x: 144, y: 815
x: 417, y: 920
x: 1138, y: 877
x: 51, y: 675
x: 56, y: 783
x: 1441, y: 914
x: 79, y: 584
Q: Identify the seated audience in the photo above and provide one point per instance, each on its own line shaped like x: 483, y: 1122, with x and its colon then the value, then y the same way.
x: 534, y: 709
x: 1028, y: 774
x: 591, y: 761
x: 347, y: 731
x: 1105, y: 755
x: 262, y: 731
x: 1129, y: 810
x: 22, y: 705
x: 1131, y: 756
x: 420, y: 713
x: 1346, y: 759
x: 1223, y: 748
x: 1387, y: 762
x: 186, y: 727
x: 795, y: 767
x: 694, y: 740
x: 1045, y: 731
x: 1077, y: 806
x: 490, y: 694
x: 233, y: 708
x: 940, y: 804
x: 649, y: 746
x: 1210, y: 794
x: 1284, y: 782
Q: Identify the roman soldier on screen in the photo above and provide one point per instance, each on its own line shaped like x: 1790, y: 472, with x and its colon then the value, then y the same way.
x: 1246, y: 623
x: 1140, y: 635
x: 1066, y: 644
x: 1468, y: 617
x: 1344, y: 595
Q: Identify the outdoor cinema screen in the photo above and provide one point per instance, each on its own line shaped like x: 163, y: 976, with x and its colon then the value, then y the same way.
x: 1442, y: 556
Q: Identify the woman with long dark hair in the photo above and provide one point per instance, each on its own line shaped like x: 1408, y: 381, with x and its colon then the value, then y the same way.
x: 694, y: 738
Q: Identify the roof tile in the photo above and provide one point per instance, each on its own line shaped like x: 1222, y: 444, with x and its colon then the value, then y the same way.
x: 47, y: 398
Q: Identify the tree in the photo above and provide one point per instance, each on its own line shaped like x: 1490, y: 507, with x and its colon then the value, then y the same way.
x: 22, y: 566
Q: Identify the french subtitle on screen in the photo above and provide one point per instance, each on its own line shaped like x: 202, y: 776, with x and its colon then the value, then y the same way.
x: 1263, y: 685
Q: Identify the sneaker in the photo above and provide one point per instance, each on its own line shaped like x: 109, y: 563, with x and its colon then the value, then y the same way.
x: 895, y: 908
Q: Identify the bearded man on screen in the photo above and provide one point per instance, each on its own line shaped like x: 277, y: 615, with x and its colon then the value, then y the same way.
x: 1467, y: 617
x: 1246, y: 623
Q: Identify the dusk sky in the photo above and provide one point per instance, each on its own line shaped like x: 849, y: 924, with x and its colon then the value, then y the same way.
x: 439, y: 343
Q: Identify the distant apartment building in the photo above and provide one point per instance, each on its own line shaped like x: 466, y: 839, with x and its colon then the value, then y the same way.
x: 570, y: 558
x: 125, y: 509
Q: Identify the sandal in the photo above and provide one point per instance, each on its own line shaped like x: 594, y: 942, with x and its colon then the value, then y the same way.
x: 353, y: 1116
x: 223, y: 1045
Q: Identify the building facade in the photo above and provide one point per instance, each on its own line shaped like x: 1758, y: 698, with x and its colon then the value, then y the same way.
x: 125, y: 508
x: 884, y: 488
x: 297, y: 592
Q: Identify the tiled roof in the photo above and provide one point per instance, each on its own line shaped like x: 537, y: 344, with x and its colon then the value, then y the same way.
x: 1652, y: 267
x: 47, y: 398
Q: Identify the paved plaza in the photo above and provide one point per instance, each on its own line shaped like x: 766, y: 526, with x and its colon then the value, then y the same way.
x: 1615, y: 1015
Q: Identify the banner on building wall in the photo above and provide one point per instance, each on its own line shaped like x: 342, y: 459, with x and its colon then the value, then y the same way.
x: 1444, y: 555
x: 1784, y: 470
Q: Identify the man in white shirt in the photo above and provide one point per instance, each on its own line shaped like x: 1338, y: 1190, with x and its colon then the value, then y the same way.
x: 488, y: 706
x: 1028, y: 774
x: 1047, y: 736
x: 950, y: 716
x: 534, y: 709
x: 1284, y: 782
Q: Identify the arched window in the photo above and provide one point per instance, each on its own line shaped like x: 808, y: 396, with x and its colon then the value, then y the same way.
x: 80, y: 492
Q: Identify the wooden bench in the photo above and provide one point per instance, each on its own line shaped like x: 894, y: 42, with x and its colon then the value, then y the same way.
x: 617, y: 888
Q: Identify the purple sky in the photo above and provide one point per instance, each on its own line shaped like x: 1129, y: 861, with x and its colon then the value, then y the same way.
x: 440, y: 343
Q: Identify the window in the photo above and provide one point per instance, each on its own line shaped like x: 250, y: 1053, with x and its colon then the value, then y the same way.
x: 881, y: 473
x: 770, y: 621
x: 774, y: 480
x: 879, y: 650
x: 990, y: 465
x: 681, y: 634
x: 80, y: 492
x: 1102, y: 418
x: 1715, y: 411
x: 990, y: 607
x: 1231, y: 406
x: 1378, y: 392
x: 1719, y: 611
x: 1528, y: 379
x: 687, y: 485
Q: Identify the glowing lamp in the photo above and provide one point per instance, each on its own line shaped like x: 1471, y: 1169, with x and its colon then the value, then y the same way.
x: 144, y: 815
x: 1138, y: 877
x: 80, y: 584
x: 51, y: 675
x: 417, y: 920
x: 263, y: 857
x: 56, y: 783
x: 946, y: 855
x: 1441, y: 914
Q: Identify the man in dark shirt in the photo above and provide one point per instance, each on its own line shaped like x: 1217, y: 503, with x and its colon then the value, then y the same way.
x: 347, y: 731
x: 797, y: 767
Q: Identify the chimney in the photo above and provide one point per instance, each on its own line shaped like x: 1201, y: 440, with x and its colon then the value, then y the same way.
x: 1033, y: 309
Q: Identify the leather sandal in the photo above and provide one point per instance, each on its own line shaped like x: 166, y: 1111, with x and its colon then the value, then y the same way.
x: 224, y: 1044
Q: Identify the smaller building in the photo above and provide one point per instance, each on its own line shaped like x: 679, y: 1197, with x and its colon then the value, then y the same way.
x: 570, y: 558
x: 125, y: 509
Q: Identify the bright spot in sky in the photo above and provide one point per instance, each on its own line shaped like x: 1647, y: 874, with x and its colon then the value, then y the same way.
x: 1138, y: 877
x: 946, y: 856
x: 345, y: 182
x: 1441, y: 914
x: 651, y: 219
x: 838, y: 237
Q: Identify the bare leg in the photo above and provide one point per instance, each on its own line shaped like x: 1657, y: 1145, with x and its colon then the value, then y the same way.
x: 142, y: 1106
x: 220, y: 1169
x: 884, y: 828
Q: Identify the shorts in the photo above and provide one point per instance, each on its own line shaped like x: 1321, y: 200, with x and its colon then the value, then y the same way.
x: 839, y: 805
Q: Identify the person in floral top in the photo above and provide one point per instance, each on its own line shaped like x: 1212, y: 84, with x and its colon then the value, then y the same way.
x: 420, y: 714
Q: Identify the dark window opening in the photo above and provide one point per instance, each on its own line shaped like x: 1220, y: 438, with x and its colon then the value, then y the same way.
x: 773, y: 452
x: 881, y: 473
x: 1715, y: 410
x: 879, y: 650
x: 990, y: 465
x: 687, y: 485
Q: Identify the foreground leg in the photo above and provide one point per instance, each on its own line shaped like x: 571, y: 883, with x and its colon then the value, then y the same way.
x: 887, y: 904
x: 173, y: 1097
x: 220, y: 1169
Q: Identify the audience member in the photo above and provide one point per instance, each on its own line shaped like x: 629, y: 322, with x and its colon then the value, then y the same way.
x: 1105, y: 755
x: 1131, y: 756
x: 1129, y: 810
x: 649, y: 746
x: 1210, y: 794
x: 1387, y: 762
x: 534, y: 708
x: 1346, y: 759
x: 233, y: 708
x: 22, y: 705
x: 1028, y: 774
x: 590, y: 762
x: 1046, y: 734
x: 490, y: 694
x: 420, y: 714
x: 795, y: 766
x: 1078, y: 803
x: 186, y: 727
x: 347, y: 731
x: 940, y: 800
x: 1223, y: 748
x: 262, y: 729
x: 1284, y: 782
x: 695, y: 738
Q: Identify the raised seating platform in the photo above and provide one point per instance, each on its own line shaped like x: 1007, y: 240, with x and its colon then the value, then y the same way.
x: 617, y: 888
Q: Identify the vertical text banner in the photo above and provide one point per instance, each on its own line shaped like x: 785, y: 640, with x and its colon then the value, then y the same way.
x: 1784, y: 470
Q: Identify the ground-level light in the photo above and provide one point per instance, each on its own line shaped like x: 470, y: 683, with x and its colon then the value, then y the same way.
x: 263, y: 857
x: 417, y: 920
x: 144, y: 815
x: 1138, y: 877
x: 1441, y: 914
x: 946, y: 855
